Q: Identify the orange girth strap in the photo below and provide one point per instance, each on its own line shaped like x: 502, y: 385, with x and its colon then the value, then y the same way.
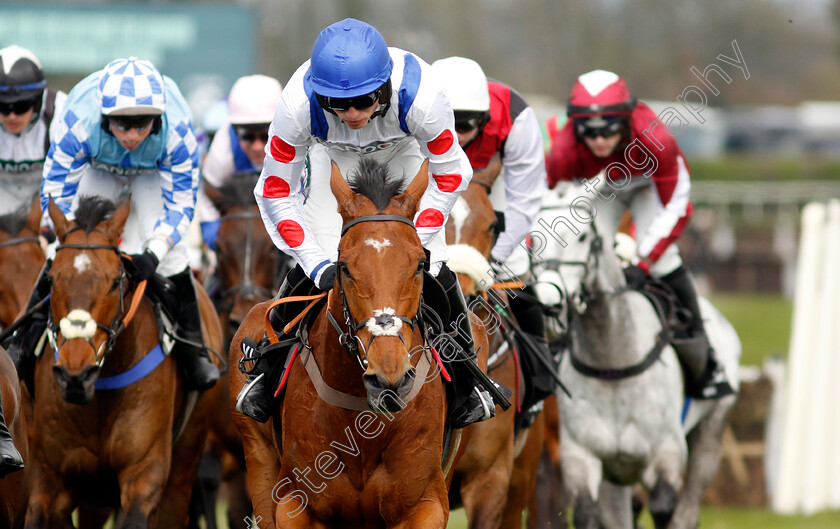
x: 508, y: 284
x: 269, y: 329
x: 135, y: 302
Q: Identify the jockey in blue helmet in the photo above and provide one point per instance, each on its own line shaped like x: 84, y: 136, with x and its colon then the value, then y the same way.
x: 356, y: 98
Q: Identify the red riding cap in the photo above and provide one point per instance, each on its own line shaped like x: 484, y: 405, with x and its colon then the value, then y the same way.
x: 600, y: 92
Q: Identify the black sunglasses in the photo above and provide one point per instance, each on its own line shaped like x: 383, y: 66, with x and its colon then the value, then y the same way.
x: 139, y: 123
x: 251, y: 135
x: 607, y: 131
x: 466, y: 125
x: 466, y: 121
x: 18, y: 107
x: 344, y: 103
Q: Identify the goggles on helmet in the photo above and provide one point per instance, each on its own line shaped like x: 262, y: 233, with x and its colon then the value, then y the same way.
x: 604, y: 126
x: 344, y: 103
x: 138, y: 123
x: 250, y: 134
x: 18, y: 107
x: 466, y: 121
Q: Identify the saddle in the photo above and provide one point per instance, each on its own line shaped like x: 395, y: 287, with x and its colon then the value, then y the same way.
x: 672, y: 314
x: 537, y: 365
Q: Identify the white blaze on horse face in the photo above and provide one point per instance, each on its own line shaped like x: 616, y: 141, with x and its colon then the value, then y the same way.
x: 81, y: 263
x: 460, y: 213
x: 378, y: 245
x: 77, y: 324
x: 384, y: 323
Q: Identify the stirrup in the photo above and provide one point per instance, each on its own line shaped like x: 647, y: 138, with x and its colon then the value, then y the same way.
x: 10, y: 463
x: 716, y: 385
x: 252, y: 401
x: 478, y: 407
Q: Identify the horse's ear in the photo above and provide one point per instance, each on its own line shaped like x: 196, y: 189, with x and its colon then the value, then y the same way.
x: 215, y: 195
x: 340, y: 187
x: 33, y: 221
x: 62, y: 225
x: 113, y: 227
x: 348, y: 200
x: 409, y: 199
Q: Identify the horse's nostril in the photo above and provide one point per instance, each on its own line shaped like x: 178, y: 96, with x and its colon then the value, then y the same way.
x: 375, y: 382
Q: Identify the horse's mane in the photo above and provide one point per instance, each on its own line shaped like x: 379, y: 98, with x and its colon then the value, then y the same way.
x: 373, y: 180
x: 237, y: 193
x: 13, y: 222
x: 92, y: 210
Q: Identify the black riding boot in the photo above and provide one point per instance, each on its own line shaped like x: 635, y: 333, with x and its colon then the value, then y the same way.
x: 200, y: 372
x: 539, y: 382
x: 705, y: 377
x: 471, y: 402
x: 255, y: 399
x: 10, y: 459
x: 21, y: 344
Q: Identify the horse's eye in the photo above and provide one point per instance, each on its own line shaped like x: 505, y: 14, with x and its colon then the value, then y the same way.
x: 421, y: 265
x: 492, y: 227
x: 582, y: 237
x: 342, y: 267
x: 116, y: 283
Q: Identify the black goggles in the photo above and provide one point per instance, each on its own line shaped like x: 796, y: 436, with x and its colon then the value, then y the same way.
x: 250, y: 135
x: 18, y: 107
x: 344, y: 103
x: 609, y: 130
x: 468, y: 121
x: 138, y: 123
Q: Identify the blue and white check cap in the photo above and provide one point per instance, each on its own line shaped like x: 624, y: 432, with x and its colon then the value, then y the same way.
x: 131, y: 86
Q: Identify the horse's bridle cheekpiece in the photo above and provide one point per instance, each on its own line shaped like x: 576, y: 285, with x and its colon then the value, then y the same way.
x: 117, y: 324
x: 384, y: 319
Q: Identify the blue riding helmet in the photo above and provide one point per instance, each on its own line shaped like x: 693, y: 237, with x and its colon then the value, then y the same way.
x: 349, y: 59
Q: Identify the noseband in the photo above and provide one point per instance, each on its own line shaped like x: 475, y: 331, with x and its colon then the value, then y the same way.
x: 349, y: 340
x: 590, y: 265
x: 117, y: 323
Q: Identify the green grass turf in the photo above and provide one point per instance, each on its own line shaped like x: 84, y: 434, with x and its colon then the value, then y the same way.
x: 763, y: 323
x: 725, y: 518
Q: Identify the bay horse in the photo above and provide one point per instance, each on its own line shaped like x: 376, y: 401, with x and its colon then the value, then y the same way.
x: 627, y: 419
x: 112, y: 426
x: 496, y: 474
x: 14, y: 487
x: 21, y: 258
x: 371, y: 470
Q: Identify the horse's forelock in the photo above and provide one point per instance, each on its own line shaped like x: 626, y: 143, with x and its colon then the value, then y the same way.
x: 12, y: 223
x: 92, y: 210
x: 238, y: 193
x: 373, y: 180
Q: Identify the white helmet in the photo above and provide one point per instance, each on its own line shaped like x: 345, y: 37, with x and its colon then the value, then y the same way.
x: 464, y: 82
x: 131, y: 86
x: 253, y: 99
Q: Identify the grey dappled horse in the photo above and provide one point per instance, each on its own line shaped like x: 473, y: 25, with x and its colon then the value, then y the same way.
x: 616, y: 432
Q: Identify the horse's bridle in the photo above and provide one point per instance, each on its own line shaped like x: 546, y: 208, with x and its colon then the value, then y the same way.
x: 19, y: 240
x: 117, y: 323
x: 247, y: 287
x: 349, y: 340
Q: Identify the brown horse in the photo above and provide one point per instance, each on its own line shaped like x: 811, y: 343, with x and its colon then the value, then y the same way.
x: 248, y: 261
x: 369, y: 470
x: 14, y: 488
x: 111, y: 429
x: 495, y: 476
x: 21, y: 258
